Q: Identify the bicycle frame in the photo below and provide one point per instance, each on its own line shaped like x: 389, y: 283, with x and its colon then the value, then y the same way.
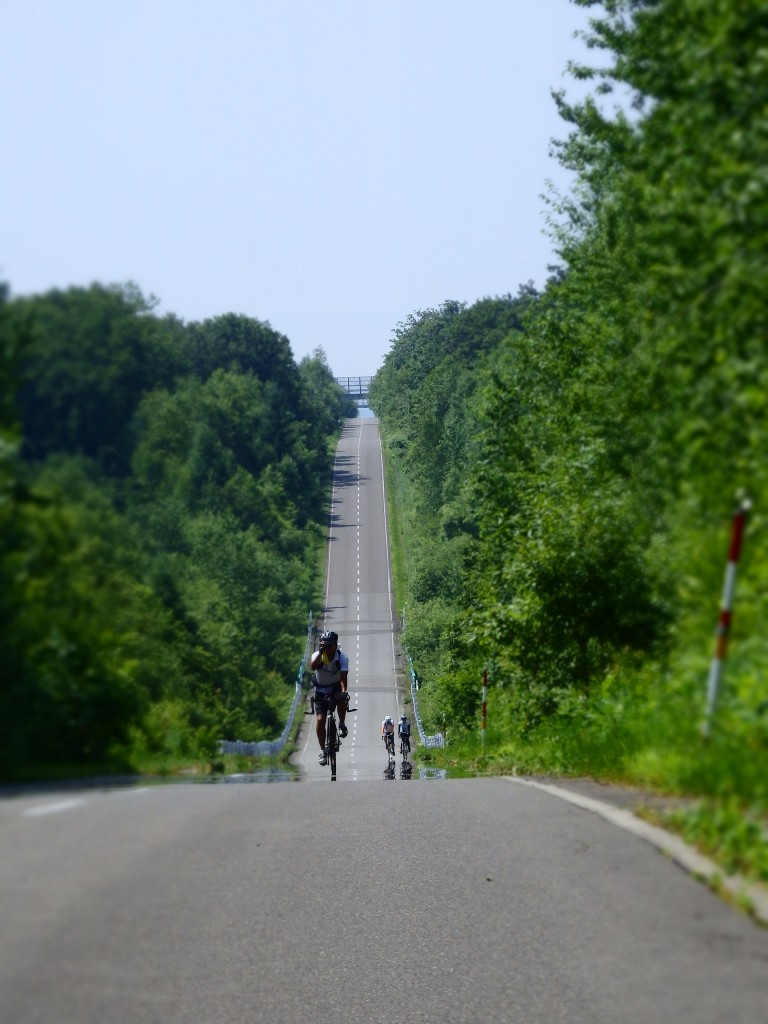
x: 389, y: 743
x: 332, y: 740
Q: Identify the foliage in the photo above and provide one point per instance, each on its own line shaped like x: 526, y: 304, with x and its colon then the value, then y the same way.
x: 589, y: 450
x: 426, y: 396
x: 162, y: 490
x: 722, y: 831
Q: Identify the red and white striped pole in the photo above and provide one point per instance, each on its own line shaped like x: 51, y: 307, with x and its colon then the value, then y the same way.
x: 485, y: 703
x: 724, y: 621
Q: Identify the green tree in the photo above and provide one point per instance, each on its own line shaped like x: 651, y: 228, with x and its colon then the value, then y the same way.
x: 92, y: 354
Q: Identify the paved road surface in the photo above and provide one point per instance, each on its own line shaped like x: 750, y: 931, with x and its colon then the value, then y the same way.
x: 442, y: 902
x: 364, y: 900
x: 359, y: 606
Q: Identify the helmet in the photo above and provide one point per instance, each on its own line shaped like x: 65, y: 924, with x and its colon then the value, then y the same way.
x: 402, y: 718
x: 388, y: 718
x: 329, y: 637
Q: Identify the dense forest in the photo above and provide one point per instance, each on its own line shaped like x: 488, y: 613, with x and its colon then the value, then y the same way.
x: 163, y: 495
x: 565, y: 461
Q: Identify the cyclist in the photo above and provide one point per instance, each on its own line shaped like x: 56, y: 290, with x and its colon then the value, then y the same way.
x: 387, y: 731
x: 330, y: 667
x: 404, y: 730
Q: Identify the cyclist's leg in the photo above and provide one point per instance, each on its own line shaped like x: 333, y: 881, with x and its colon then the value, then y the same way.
x: 342, y: 702
x: 320, y: 722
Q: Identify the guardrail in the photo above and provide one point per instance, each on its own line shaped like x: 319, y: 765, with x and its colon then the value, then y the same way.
x: 271, y: 748
x: 438, y: 740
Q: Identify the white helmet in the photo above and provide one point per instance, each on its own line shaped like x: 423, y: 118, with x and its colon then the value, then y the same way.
x: 388, y: 718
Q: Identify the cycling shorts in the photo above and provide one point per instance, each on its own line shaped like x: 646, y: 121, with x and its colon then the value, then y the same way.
x: 324, y: 701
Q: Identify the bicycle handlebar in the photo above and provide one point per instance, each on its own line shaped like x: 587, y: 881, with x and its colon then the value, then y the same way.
x: 312, y: 711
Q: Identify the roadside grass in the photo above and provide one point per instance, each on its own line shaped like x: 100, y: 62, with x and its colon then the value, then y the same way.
x: 734, y: 836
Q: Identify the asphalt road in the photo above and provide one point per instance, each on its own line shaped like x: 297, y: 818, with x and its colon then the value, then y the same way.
x: 359, y: 607
x: 364, y: 900
x: 439, y: 902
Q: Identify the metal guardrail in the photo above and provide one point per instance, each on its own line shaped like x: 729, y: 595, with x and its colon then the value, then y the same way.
x: 438, y: 740
x: 271, y: 748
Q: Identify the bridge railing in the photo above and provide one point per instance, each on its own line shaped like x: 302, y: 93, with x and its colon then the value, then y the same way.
x: 356, y: 386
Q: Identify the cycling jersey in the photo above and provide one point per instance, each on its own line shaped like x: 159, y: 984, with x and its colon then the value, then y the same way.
x: 327, y: 678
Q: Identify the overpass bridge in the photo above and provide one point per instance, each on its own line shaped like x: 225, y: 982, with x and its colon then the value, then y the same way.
x: 357, y: 387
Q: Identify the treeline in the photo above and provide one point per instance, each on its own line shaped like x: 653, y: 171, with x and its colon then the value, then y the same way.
x: 567, y: 461
x: 162, y: 492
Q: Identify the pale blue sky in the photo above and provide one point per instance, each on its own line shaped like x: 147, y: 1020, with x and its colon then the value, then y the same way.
x: 329, y: 166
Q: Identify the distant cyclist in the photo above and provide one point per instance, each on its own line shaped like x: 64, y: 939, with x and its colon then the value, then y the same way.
x: 330, y: 667
x: 388, y: 733
x: 404, y: 731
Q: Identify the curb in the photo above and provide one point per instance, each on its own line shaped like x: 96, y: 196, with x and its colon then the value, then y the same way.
x: 670, y: 845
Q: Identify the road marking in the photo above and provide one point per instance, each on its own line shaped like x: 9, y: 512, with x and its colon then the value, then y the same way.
x: 670, y: 845
x: 56, y: 808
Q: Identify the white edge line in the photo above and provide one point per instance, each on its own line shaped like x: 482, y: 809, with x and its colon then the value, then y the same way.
x: 56, y: 808
x: 674, y: 847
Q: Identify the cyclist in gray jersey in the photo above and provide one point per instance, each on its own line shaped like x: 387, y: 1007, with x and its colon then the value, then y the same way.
x: 404, y: 728
x: 330, y: 668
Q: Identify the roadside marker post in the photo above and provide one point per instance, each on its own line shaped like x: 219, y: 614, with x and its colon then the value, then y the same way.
x: 724, y: 620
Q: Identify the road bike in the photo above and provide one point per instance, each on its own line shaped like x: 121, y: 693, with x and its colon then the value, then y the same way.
x: 389, y: 743
x: 405, y: 746
x: 321, y: 702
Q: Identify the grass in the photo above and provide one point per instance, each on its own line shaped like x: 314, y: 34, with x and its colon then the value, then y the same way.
x: 734, y: 836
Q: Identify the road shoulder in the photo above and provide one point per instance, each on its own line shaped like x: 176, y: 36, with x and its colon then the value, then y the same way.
x: 618, y: 805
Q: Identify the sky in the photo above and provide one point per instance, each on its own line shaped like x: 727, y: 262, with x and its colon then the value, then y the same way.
x: 327, y: 166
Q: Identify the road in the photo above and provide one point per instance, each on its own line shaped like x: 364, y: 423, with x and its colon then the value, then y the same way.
x: 438, y: 901
x: 359, y: 606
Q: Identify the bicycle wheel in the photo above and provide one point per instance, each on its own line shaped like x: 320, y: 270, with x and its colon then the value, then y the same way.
x: 333, y: 744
